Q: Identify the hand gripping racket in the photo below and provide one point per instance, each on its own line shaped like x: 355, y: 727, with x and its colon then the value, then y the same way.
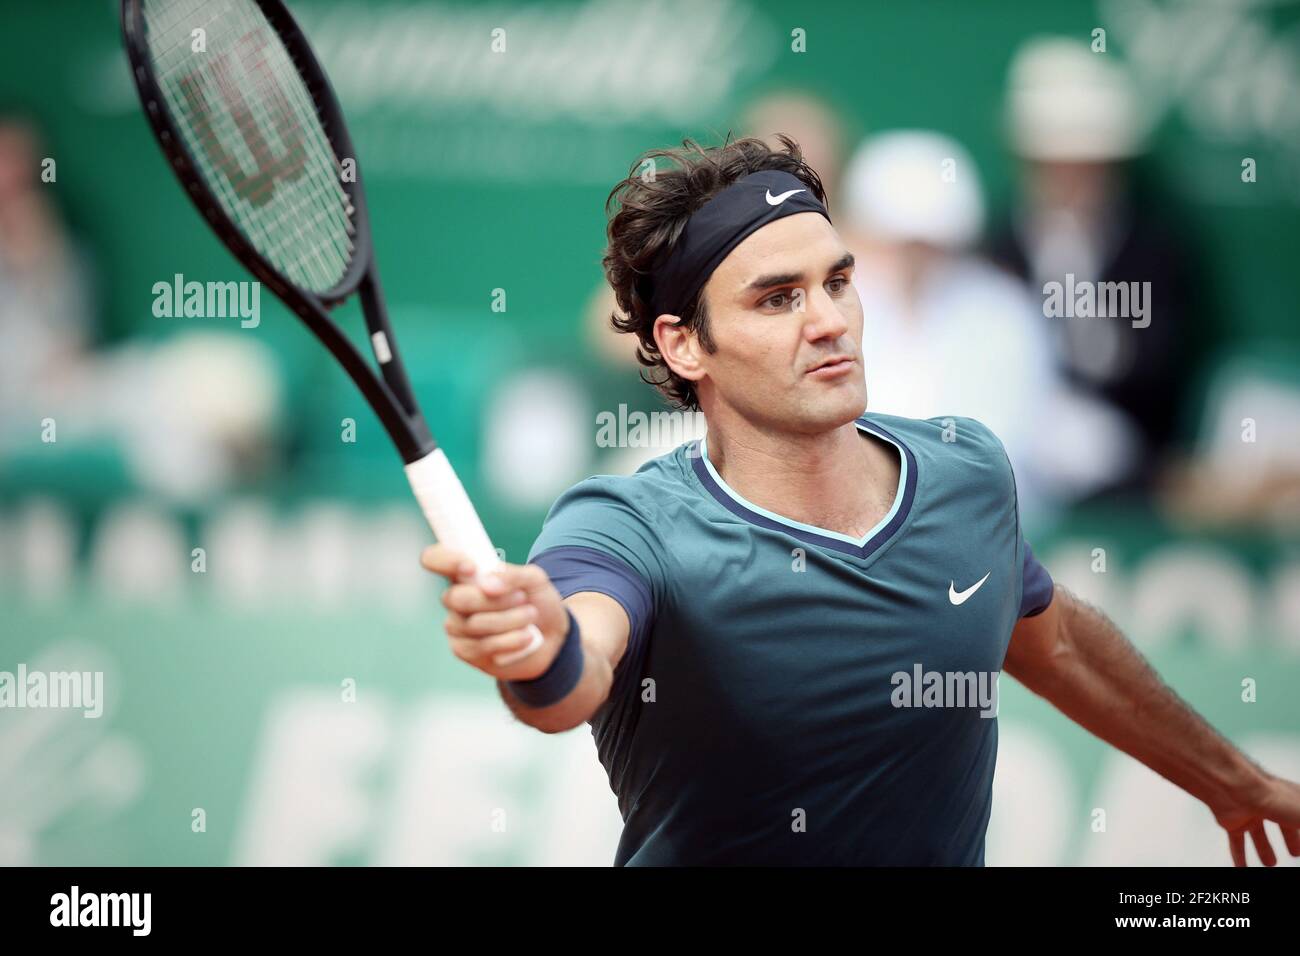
x: 251, y: 127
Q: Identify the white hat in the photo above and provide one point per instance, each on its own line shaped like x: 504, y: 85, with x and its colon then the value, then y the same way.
x: 1065, y: 102
x: 917, y: 186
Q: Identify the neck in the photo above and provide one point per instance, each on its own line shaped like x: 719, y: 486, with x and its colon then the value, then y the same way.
x: 826, y: 479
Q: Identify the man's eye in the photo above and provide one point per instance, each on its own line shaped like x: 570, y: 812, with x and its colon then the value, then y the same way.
x: 839, y: 282
x: 772, y: 303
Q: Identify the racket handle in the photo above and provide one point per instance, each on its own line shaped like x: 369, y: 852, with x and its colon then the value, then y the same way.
x: 456, y: 524
x: 449, y: 511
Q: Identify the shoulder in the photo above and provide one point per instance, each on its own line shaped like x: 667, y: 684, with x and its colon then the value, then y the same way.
x: 620, y: 515
x: 954, y: 431
x: 639, y: 495
x: 950, y: 446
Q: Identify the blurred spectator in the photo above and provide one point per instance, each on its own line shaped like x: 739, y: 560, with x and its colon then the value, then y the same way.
x: 1244, y: 470
x: 188, y: 415
x: 811, y: 122
x: 945, y: 333
x: 44, y: 312
x: 1081, y: 219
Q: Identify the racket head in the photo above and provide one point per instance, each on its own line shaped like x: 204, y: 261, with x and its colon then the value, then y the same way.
x: 254, y: 132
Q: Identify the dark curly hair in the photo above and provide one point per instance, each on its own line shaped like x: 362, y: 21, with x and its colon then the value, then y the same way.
x: 653, y: 207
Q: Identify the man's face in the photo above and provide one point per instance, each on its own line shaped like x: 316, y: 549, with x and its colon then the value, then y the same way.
x: 781, y: 306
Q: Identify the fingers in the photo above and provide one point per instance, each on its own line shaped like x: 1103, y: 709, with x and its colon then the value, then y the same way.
x: 506, y: 586
x: 1258, y: 836
x: 511, y: 577
x: 481, y: 651
x: 490, y: 623
x: 448, y: 562
x: 536, y: 642
x: 1291, y: 837
x: 467, y: 599
x: 498, y: 582
x: 1237, y: 846
x: 495, y: 619
x: 1263, y: 848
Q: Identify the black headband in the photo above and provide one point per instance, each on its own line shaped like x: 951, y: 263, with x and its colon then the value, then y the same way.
x: 716, y: 228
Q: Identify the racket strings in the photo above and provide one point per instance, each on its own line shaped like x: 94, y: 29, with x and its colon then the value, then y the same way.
x: 248, y: 118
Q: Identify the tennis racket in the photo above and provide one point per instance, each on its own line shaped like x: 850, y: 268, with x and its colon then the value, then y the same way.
x: 253, y: 131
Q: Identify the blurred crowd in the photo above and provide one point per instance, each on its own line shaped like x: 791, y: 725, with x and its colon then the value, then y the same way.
x: 164, y: 407
x: 959, y: 318
x: 1154, y: 405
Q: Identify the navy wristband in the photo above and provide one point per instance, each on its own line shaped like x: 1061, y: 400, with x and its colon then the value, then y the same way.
x: 560, y: 678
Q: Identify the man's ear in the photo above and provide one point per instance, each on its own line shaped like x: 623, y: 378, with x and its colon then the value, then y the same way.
x: 680, y: 347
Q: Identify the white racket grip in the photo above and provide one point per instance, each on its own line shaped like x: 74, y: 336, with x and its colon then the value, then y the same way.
x: 456, y: 524
x: 449, y: 511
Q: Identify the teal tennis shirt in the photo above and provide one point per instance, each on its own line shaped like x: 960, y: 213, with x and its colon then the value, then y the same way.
x: 791, y: 695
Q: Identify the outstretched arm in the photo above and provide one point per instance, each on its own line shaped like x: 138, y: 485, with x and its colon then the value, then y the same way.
x: 1073, y: 656
x: 487, y: 622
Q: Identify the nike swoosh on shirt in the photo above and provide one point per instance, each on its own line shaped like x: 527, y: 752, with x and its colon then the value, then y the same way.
x: 959, y: 597
x: 777, y: 200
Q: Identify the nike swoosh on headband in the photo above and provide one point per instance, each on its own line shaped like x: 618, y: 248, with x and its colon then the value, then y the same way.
x: 777, y: 200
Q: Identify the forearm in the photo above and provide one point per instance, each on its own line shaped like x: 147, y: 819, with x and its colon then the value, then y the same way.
x: 1098, y: 679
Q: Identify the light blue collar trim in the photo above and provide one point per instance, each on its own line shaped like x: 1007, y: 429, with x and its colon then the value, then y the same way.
x: 899, y: 495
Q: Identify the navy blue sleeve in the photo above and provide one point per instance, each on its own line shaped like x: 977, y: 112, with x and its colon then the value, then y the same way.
x: 572, y: 569
x: 1037, y: 588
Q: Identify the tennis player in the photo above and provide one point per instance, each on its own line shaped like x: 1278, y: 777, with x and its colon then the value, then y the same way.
x: 786, y: 636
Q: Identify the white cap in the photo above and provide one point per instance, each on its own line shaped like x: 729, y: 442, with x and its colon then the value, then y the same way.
x: 916, y: 186
x: 1065, y: 102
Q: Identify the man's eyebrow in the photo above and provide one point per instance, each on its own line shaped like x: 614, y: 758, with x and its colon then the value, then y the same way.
x: 790, y: 278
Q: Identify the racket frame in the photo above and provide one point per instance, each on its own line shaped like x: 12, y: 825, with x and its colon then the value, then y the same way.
x: 437, y: 488
x: 389, y: 393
